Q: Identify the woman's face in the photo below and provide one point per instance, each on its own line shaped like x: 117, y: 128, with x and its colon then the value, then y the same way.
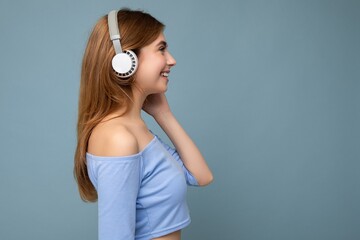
x: 155, y: 62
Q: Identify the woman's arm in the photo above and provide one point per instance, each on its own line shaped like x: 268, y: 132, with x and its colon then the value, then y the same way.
x: 114, y: 168
x: 157, y: 106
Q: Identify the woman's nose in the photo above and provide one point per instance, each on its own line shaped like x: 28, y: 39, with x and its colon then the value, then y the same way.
x: 171, y: 60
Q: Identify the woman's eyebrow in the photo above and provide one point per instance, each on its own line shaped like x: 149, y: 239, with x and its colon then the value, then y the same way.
x: 162, y: 43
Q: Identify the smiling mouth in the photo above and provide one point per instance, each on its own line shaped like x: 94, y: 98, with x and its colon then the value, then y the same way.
x: 165, y: 74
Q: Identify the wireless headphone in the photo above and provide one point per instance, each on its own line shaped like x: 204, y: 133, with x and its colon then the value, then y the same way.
x: 125, y: 62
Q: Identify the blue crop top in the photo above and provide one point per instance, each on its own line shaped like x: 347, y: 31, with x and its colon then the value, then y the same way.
x: 142, y: 196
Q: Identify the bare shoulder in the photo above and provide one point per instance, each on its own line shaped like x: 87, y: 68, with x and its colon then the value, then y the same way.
x: 112, y: 139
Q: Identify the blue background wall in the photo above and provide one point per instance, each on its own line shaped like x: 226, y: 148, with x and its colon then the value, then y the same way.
x: 269, y: 90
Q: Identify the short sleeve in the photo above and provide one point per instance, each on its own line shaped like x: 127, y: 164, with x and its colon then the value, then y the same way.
x: 117, y: 181
x: 190, y: 179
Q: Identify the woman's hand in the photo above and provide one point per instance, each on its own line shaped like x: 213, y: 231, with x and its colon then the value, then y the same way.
x: 156, y: 104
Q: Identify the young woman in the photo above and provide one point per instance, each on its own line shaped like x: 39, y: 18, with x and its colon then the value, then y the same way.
x: 138, y: 180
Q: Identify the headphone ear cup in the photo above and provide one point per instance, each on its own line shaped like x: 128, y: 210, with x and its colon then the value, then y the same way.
x: 125, y: 64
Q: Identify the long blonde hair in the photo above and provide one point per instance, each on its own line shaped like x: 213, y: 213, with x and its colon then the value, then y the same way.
x: 101, y: 91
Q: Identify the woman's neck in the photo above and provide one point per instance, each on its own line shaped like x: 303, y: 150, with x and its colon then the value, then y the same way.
x: 135, y: 107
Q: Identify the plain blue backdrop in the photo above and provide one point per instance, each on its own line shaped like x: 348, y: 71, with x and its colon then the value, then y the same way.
x: 269, y: 91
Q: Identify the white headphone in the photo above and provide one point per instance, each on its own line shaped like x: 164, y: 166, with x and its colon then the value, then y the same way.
x: 125, y: 62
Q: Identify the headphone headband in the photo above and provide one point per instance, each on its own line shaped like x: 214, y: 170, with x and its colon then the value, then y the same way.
x: 114, y: 31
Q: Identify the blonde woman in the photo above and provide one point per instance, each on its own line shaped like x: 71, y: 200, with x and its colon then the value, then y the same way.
x: 139, y: 181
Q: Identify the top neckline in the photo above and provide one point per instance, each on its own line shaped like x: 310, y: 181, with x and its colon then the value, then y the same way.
x: 146, y: 148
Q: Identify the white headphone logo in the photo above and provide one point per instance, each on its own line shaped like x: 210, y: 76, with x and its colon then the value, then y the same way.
x: 124, y: 63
